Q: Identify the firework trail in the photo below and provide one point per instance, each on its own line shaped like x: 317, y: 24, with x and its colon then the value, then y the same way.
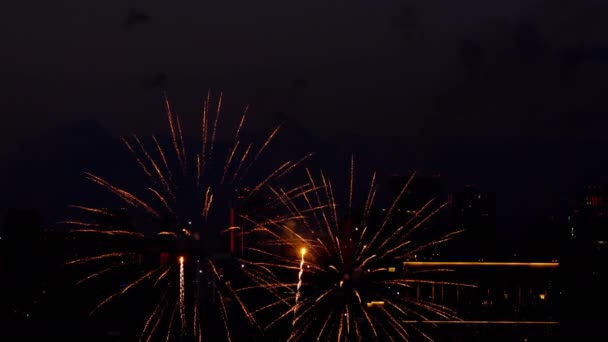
x: 182, y: 293
x: 183, y: 191
x: 355, y: 289
x: 299, y: 286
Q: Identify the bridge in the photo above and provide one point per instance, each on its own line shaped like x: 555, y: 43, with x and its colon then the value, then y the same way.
x: 510, y: 299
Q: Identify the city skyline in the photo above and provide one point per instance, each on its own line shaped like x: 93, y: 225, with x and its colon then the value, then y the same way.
x: 523, y: 199
x: 293, y: 171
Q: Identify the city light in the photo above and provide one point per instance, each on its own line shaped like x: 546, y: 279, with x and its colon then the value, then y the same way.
x: 481, y: 263
x: 482, y: 322
x: 375, y: 303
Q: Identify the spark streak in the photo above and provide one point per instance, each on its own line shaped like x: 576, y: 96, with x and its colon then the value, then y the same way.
x: 179, y: 198
x: 93, y: 275
x: 97, y: 257
x: 298, y: 294
x: 344, y: 266
x: 182, y: 294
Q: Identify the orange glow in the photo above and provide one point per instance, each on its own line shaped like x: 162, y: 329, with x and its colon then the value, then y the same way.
x: 482, y: 263
x: 375, y: 303
x: 181, y: 259
x: 542, y: 296
x: 303, y: 251
x: 483, y: 322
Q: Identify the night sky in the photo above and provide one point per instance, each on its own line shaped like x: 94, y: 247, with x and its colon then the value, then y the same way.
x: 506, y: 95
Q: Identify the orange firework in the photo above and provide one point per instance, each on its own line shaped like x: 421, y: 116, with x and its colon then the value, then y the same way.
x: 350, y: 286
x: 183, y: 193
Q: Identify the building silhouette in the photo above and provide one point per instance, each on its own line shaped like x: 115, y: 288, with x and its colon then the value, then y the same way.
x: 22, y: 225
x: 418, y: 199
x: 474, y: 212
x: 115, y: 219
x: 19, y: 289
x: 421, y: 189
x: 584, y: 260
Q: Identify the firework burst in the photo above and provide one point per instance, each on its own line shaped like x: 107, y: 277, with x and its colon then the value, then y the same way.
x: 332, y: 273
x: 172, y: 255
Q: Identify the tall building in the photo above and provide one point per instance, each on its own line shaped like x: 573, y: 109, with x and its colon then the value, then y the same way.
x: 22, y: 235
x: 22, y: 225
x: 590, y: 216
x: 421, y: 189
x: 22, y: 262
x: 585, y: 260
x: 473, y: 211
x: 257, y: 207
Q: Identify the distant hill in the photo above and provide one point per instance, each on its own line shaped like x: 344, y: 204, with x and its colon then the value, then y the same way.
x: 47, y: 173
x: 531, y: 177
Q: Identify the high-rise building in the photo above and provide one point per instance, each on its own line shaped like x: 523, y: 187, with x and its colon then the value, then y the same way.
x: 585, y: 260
x: 22, y: 261
x: 421, y: 189
x: 474, y: 212
x: 590, y: 216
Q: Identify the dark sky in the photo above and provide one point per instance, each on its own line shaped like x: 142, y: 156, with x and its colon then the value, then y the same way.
x: 377, y: 68
x: 436, y: 72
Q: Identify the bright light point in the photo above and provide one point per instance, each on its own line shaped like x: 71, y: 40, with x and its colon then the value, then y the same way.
x: 242, y: 265
x: 181, y: 259
x: 375, y: 303
x: 189, y: 222
x: 303, y: 250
